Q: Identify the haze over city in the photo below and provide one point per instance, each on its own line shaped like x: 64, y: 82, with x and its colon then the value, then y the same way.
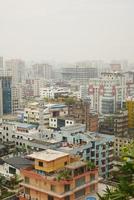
x: 66, y: 100
x: 67, y: 30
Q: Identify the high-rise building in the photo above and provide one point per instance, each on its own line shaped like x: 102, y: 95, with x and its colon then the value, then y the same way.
x: 5, y: 95
x: 16, y: 69
x: 42, y: 70
x: 130, y: 108
x: 79, y: 73
x: 108, y: 93
x: 1, y: 63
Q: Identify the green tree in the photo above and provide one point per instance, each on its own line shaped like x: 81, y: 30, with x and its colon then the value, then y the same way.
x: 124, y: 190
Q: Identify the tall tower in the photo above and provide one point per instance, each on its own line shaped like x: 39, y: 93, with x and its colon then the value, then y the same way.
x: 1, y: 63
x: 5, y: 95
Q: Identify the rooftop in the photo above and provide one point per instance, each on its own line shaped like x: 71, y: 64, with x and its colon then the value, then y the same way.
x: 76, y: 165
x: 21, y: 125
x: 18, y: 162
x: 48, y: 155
x: 52, y: 106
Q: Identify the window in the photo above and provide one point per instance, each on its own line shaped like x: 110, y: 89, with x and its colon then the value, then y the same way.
x: 67, y: 188
x: 92, y: 188
x: 40, y: 164
x: 50, y: 197
x: 7, y: 128
x: 27, y: 191
x: 65, y: 163
x: 80, y: 181
x: 26, y: 179
x: 53, y: 188
x: 12, y: 170
x: 67, y: 198
x: 79, y: 193
x: 92, y: 177
x: 6, y: 134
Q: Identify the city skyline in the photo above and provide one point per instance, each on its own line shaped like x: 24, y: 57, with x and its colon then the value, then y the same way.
x: 67, y: 31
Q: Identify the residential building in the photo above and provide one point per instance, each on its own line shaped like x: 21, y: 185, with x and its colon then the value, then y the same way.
x: 53, y: 92
x: 34, y: 115
x: 108, y: 93
x: 16, y: 69
x: 11, y: 166
x: 42, y: 70
x: 45, y: 180
x: 58, y: 122
x: 115, y: 124
x: 130, y: 108
x: 1, y: 62
x: 27, y: 136
x: 79, y: 73
x: 120, y: 143
x: 5, y: 95
x: 96, y: 147
x: 81, y: 113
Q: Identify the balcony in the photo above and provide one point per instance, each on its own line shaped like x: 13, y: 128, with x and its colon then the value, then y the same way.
x: 25, y: 197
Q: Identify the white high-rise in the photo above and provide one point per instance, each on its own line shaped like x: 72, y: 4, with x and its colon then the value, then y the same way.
x: 108, y: 92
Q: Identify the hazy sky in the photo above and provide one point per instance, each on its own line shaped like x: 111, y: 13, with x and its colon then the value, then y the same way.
x: 67, y: 30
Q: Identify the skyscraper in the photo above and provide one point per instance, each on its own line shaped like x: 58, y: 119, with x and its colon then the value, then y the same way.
x: 1, y: 63
x: 16, y: 69
x: 5, y: 95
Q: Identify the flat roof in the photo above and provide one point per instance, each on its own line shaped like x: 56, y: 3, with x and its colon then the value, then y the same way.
x: 21, y: 125
x: 48, y: 155
x: 26, y: 126
x: 76, y: 165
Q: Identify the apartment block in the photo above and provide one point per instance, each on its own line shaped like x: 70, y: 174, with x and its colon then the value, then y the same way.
x: 55, y: 176
x: 130, y: 108
x: 96, y: 147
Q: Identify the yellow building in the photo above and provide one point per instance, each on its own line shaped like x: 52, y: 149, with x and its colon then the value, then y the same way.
x: 130, y: 108
x: 54, y: 177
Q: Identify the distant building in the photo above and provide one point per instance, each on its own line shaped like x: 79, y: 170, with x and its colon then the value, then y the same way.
x: 53, y: 92
x: 42, y: 70
x: 58, y: 122
x: 108, y: 93
x: 1, y: 64
x: 115, y: 124
x: 35, y: 114
x: 81, y: 113
x: 5, y: 95
x: 130, y: 108
x: 79, y: 73
x: 115, y: 67
x: 16, y: 69
x: 120, y: 143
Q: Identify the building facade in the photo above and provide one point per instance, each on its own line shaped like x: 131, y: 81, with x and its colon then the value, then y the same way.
x: 130, y: 108
x: 108, y: 93
x: 5, y: 95
x: 46, y: 180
